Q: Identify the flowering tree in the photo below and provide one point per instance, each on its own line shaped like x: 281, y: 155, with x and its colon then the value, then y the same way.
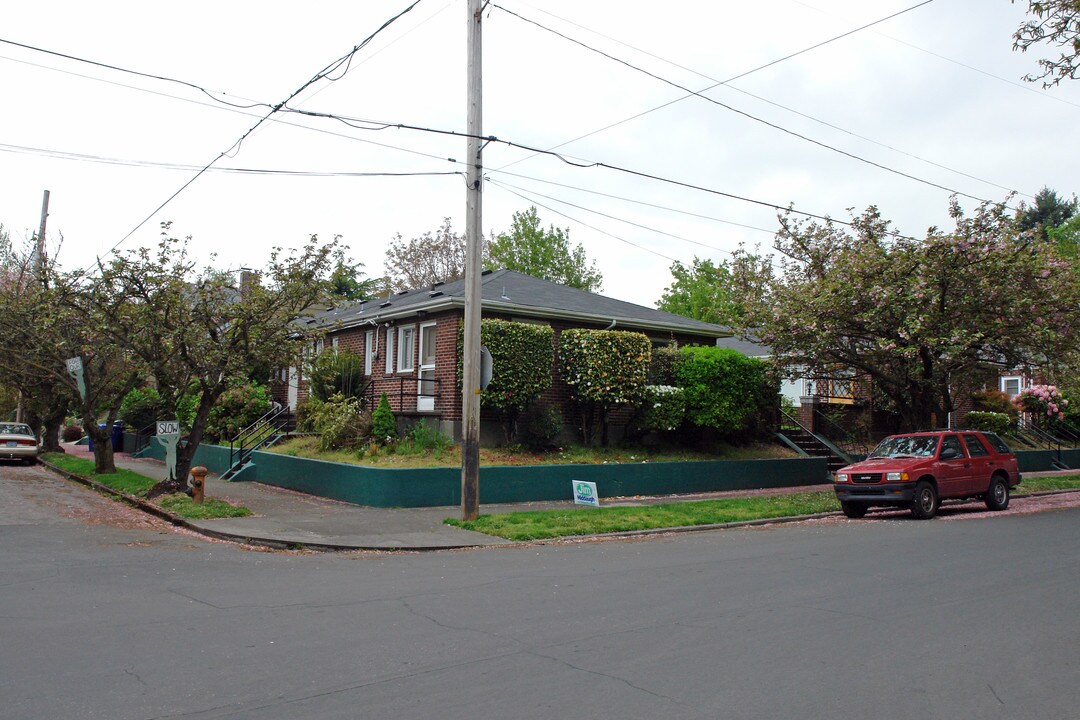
x: 915, y: 316
x: 1042, y: 401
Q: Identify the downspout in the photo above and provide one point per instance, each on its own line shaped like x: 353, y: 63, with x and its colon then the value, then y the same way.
x: 611, y: 325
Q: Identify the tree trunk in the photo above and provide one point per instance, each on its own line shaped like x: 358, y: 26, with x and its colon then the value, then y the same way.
x: 103, y: 452
x: 50, y: 437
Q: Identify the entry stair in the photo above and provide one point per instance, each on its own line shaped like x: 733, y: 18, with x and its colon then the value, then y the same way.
x: 799, y: 438
x: 264, y: 432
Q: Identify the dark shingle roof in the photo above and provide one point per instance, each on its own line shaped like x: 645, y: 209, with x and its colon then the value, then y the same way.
x: 512, y: 292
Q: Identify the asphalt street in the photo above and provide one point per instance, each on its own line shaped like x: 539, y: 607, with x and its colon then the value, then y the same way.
x: 108, y: 614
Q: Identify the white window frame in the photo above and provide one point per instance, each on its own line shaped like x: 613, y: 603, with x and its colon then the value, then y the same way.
x: 406, y: 351
x: 320, y: 345
x: 1005, y: 379
x: 389, y: 351
x: 426, y: 403
x: 369, y: 351
x: 334, y: 344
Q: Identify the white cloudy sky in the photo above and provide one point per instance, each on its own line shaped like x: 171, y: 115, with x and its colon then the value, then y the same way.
x: 935, y: 93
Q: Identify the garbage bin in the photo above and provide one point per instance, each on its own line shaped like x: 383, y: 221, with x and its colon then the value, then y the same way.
x: 90, y: 440
x: 117, y: 436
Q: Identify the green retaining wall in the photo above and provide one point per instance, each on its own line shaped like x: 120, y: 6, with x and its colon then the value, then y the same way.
x: 1037, y: 460
x: 214, y: 458
x: 379, y: 487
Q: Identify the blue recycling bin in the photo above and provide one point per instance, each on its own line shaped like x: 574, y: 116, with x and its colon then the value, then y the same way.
x: 117, y: 437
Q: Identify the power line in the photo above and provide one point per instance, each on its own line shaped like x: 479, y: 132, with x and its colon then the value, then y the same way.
x: 81, y: 157
x: 726, y: 83
x: 946, y: 58
x: 584, y: 224
x: 379, y: 125
x: 210, y: 94
x: 636, y: 202
x: 745, y: 114
x: 342, y: 62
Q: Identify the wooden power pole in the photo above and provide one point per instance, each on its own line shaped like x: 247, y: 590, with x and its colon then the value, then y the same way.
x: 470, y: 384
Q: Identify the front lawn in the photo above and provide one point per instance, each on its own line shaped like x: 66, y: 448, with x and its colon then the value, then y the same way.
x: 132, y: 483
x: 546, y: 524
x: 539, y: 525
x: 403, y: 456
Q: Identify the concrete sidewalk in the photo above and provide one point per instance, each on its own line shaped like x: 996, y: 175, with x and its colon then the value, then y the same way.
x: 284, y: 518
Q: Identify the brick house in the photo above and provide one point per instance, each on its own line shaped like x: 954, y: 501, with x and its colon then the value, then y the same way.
x: 409, y: 341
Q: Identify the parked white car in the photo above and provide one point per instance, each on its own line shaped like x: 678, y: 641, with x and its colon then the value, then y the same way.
x: 18, y: 442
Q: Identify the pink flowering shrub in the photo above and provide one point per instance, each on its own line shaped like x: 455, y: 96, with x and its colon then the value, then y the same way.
x: 1042, y: 401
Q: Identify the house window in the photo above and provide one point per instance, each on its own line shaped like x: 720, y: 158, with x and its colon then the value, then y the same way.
x: 1011, y: 385
x: 319, y: 346
x: 406, y: 348
x: 334, y: 344
x: 389, y: 350
x: 369, y: 351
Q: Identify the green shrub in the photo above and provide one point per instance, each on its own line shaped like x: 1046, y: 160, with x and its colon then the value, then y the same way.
x: 238, y: 407
x: 340, y: 422
x: 334, y: 372
x: 71, y: 433
x: 521, y: 359
x: 994, y: 401
x: 663, y: 408
x: 994, y: 422
x: 421, y: 438
x: 140, y: 408
x: 662, y: 365
x: 724, y: 389
x: 384, y: 424
x: 604, y: 368
x: 539, y: 427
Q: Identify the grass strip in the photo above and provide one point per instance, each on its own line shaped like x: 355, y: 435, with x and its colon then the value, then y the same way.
x: 210, y: 508
x: 124, y: 481
x: 544, y: 524
x: 1044, y: 484
x: 133, y: 483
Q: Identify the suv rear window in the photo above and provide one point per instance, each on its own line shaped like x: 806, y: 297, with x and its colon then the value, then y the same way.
x: 997, y: 443
x: 975, y: 448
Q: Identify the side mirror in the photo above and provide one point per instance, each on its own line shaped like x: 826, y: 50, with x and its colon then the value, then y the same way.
x: 950, y: 453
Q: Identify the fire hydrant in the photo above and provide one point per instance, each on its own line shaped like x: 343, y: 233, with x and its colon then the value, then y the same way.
x: 198, y: 483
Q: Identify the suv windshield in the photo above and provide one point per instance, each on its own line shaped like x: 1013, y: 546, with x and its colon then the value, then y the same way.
x: 910, y: 445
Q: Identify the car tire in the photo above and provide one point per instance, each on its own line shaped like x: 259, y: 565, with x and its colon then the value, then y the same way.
x: 853, y: 510
x: 997, y: 497
x: 924, y: 503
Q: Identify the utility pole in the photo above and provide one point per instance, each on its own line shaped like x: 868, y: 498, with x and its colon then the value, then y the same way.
x: 37, y: 260
x: 39, y: 246
x: 470, y: 383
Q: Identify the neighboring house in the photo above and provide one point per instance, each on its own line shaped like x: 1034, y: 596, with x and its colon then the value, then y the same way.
x: 409, y: 341
x: 796, y: 386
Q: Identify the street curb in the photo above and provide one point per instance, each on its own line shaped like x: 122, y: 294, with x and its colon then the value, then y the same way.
x: 173, y: 519
x: 274, y: 544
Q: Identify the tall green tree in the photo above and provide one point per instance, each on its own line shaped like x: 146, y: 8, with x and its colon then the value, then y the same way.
x: 347, y: 279
x: 198, y: 331
x: 1055, y: 23
x: 914, y: 316
x: 546, y: 254
x: 1048, y: 211
x: 702, y: 292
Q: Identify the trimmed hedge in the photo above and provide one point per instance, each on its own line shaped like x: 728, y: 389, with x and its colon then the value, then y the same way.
x: 724, y: 389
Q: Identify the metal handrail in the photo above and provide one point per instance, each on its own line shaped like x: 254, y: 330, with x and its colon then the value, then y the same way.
x: 370, y: 398
x: 142, y: 437
x: 256, y: 435
x: 790, y: 423
x: 840, y: 435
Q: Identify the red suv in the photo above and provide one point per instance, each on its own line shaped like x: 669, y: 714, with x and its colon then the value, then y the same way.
x: 921, y: 469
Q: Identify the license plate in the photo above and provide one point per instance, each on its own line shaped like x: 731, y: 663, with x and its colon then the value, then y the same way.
x: 11, y: 443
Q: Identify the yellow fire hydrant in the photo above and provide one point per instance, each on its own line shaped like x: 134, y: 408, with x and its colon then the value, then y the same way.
x: 198, y: 483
